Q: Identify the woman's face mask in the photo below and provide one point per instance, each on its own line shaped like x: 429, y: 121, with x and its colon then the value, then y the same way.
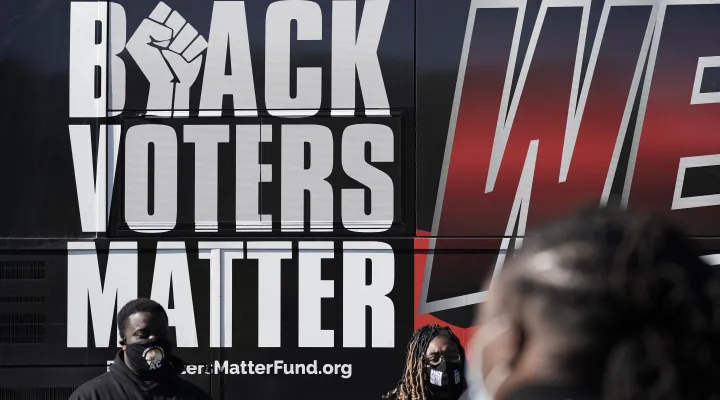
x: 444, y: 369
x: 148, y: 358
x: 445, y: 380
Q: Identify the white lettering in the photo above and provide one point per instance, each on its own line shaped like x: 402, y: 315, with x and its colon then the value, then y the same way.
x: 379, y: 183
x: 206, y: 139
x: 88, y: 59
x: 311, y: 290
x: 228, y: 31
x: 269, y: 256
x: 106, y: 299
x: 296, y: 179
x: 357, y: 295
x: 118, y: 36
x: 93, y: 194
x: 278, y: 99
x: 248, y: 174
x: 352, y: 53
x: 221, y: 256
x: 221, y: 368
x: 137, y: 142
x: 171, y: 268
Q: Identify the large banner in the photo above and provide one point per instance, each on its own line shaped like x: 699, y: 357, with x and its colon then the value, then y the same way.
x: 248, y: 165
x: 303, y: 183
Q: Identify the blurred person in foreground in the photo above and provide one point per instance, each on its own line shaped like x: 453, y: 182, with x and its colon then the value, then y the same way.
x: 145, y: 368
x: 602, y: 305
x: 434, y: 366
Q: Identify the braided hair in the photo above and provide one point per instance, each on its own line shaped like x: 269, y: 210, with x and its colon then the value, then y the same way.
x: 412, y: 385
x: 643, y: 303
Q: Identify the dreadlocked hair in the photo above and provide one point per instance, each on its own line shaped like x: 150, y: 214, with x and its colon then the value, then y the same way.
x: 649, y: 320
x: 412, y: 385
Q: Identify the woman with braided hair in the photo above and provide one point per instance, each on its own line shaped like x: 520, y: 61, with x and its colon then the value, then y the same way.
x: 434, y: 367
x: 602, y: 305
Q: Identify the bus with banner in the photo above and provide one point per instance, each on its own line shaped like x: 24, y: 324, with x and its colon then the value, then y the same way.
x: 302, y: 184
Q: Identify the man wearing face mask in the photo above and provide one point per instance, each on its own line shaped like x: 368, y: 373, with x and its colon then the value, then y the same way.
x: 145, y: 368
x: 434, y: 367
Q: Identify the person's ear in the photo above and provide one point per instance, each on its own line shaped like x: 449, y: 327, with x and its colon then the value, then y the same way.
x: 123, y: 344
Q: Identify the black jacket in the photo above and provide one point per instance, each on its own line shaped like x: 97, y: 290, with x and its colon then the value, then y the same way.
x: 122, y: 384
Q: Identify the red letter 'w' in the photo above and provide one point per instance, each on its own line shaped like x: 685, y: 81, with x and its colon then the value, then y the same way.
x: 549, y: 137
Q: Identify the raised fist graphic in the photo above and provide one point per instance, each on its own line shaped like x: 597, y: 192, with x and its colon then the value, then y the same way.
x: 168, y: 50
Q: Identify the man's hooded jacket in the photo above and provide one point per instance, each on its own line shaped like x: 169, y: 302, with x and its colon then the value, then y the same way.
x: 121, y: 383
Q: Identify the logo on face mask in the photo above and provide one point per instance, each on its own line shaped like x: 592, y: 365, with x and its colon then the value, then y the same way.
x: 154, y: 357
x: 445, y: 380
x: 436, y: 377
x: 445, y: 374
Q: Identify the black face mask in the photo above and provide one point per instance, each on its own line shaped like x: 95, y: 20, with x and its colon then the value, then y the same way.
x: 149, y: 358
x: 446, y: 380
